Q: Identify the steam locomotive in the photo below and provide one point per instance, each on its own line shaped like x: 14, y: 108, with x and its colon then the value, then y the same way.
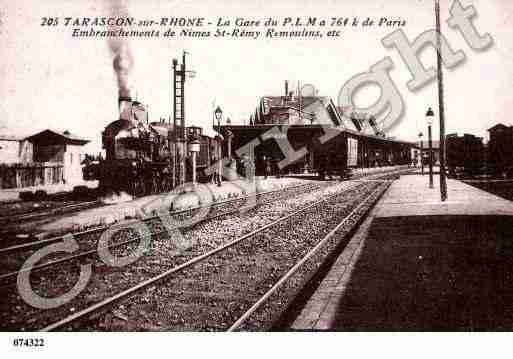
x: 143, y: 158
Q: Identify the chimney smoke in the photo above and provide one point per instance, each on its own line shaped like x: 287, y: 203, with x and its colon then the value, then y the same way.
x: 120, y: 49
x: 122, y: 64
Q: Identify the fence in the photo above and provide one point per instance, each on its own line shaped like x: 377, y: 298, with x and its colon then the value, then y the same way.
x: 21, y: 175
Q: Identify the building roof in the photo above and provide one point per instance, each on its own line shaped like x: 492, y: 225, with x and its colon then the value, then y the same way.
x: 381, y: 138
x: 261, y: 127
x: 463, y: 136
x: 55, y: 137
x: 497, y: 126
x: 311, y: 106
x: 314, y: 105
x: 277, y: 101
x: 348, y: 124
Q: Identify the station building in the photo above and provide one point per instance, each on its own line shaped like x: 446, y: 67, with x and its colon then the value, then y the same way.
x: 466, y: 151
x: 320, y: 135
x: 45, y: 158
x: 14, y: 149
x: 500, y: 150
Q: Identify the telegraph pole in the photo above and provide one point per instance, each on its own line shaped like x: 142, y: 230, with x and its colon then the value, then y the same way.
x: 179, y: 76
x: 443, y: 181
x: 182, y: 123
x: 175, y: 134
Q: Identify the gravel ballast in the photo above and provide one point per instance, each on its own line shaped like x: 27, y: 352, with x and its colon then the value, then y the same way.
x: 211, y: 294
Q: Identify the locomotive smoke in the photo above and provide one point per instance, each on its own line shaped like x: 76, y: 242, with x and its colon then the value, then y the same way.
x: 122, y: 66
x: 120, y: 49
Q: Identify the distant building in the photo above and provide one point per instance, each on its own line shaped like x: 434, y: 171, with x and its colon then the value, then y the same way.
x: 47, y: 157
x: 60, y: 148
x: 14, y: 149
x: 466, y: 152
x: 279, y: 110
x: 500, y: 148
x: 325, y: 136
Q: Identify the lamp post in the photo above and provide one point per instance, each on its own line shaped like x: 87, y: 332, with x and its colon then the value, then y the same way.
x: 421, y: 154
x: 430, y: 115
x: 218, y: 113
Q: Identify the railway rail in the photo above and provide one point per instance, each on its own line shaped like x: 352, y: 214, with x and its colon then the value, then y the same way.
x: 219, y: 251
x: 366, y: 205
x: 33, y: 215
x: 59, y: 279
x: 99, y: 231
x: 192, y: 260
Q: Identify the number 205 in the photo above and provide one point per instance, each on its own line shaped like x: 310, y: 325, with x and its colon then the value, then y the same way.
x: 49, y: 21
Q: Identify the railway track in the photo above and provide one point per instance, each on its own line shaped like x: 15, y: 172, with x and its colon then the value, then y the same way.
x: 164, y: 264
x: 58, y: 279
x: 34, y: 215
x: 178, y: 268
x: 187, y: 282
x: 220, y: 212
x: 24, y: 245
x: 342, y: 229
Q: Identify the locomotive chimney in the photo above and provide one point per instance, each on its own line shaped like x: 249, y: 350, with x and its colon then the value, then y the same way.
x: 286, y: 88
x: 122, y: 99
x: 125, y: 104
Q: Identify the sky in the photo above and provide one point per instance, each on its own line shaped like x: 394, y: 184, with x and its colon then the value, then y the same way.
x: 48, y: 79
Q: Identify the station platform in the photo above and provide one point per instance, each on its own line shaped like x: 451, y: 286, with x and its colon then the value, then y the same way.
x: 419, y: 264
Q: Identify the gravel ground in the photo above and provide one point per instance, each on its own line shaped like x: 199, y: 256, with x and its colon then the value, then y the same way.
x: 162, y: 255
x: 15, y: 260
x: 213, y: 294
x: 275, y: 312
x: 14, y: 234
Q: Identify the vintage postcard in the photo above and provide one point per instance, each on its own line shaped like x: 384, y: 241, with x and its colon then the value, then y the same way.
x: 289, y: 166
